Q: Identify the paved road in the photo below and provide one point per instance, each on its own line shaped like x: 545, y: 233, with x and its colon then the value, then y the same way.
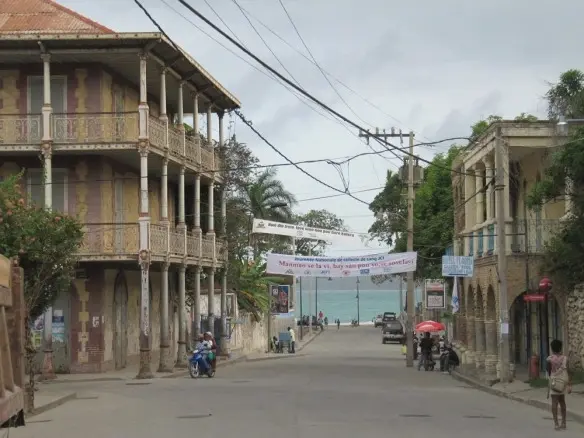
x: 347, y: 385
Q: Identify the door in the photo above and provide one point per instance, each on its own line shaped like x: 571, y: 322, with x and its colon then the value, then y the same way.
x: 36, y: 99
x: 120, y: 318
x: 119, y: 214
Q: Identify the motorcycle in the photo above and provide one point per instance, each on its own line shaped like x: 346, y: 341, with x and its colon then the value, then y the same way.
x: 197, y: 366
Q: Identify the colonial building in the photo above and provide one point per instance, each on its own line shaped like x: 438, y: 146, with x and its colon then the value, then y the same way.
x: 95, y: 119
x: 526, y: 150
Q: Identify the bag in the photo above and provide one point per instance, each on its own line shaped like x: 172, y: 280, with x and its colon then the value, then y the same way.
x: 559, y: 379
x: 404, y: 349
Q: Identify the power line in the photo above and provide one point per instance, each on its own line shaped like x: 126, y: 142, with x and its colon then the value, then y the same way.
x: 384, y: 143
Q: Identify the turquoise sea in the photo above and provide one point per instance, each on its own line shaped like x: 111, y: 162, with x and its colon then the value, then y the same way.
x: 342, y: 304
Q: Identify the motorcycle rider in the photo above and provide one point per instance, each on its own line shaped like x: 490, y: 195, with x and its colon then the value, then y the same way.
x: 205, y: 348
x: 208, y: 336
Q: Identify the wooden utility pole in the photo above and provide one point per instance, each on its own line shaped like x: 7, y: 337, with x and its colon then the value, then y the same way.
x: 410, y: 299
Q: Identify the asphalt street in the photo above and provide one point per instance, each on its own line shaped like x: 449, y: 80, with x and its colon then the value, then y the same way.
x: 346, y: 384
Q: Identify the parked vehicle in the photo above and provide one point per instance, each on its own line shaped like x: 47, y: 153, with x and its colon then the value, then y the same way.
x: 197, y: 365
x: 378, y: 321
x: 388, y: 317
x: 393, y: 331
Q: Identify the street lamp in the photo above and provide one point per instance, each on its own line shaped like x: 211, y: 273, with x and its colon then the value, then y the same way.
x: 358, y: 318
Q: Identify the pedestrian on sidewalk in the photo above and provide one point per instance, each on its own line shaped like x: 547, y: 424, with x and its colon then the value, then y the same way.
x: 559, y: 382
x: 292, y: 348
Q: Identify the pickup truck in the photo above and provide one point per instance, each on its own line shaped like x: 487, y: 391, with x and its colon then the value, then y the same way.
x: 393, y: 331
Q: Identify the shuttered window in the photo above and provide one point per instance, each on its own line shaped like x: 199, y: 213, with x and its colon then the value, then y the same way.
x: 36, y: 189
x: 36, y: 94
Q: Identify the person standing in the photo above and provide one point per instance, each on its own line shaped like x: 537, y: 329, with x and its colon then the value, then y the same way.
x: 292, y: 348
x: 559, y: 382
x: 426, y: 346
x: 338, y: 324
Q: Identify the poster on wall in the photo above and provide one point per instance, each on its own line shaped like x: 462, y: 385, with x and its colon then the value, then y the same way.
x: 435, y: 294
x: 58, y: 326
x: 279, y: 302
x: 37, y: 330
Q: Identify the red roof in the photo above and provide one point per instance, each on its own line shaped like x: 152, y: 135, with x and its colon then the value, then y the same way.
x: 44, y: 16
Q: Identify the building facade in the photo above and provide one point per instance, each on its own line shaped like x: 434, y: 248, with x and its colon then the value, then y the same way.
x: 526, y: 149
x: 95, y: 120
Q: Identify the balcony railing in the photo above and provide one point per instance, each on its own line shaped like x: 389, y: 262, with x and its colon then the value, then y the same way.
x: 176, y: 142
x: 95, y: 127
x: 110, y: 240
x: 20, y: 129
x: 539, y: 232
x: 207, y: 247
x: 177, y: 243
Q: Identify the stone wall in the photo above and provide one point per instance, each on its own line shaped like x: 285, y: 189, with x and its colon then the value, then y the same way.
x: 575, y: 323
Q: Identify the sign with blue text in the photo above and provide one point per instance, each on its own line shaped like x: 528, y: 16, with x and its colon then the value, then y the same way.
x: 457, y: 266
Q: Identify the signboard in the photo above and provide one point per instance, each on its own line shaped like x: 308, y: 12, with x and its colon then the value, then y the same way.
x: 435, y: 294
x: 351, y: 266
x: 534, y: 297
x: 457, y: 266
x: 279, y: 298
x: 300, y: 232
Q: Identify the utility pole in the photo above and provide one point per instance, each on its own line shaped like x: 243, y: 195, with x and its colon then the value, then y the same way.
x: 411, y: 196
x: 410, y: 293
x: 502, y: 257
x: 358, y: 305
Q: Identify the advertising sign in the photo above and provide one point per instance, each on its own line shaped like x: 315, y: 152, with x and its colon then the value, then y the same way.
x: 279, y: 298
x: 351, y: 266
x: 300, y: 231
x: 457, y: 266
x: 435, y: 294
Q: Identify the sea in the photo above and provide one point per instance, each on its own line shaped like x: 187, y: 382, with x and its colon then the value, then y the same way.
x: 337, y: 298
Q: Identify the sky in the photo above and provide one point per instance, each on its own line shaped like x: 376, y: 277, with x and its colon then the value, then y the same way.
x: 431, y: 67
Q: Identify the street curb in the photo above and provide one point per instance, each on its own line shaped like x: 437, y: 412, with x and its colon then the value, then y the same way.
x: 282, y: 356
x: 316, y: 335
x: 579, y: 418
x: 98, y: 379
x: 52, y: 405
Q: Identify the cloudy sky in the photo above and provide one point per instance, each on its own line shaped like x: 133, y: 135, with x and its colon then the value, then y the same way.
x: 432, y: 67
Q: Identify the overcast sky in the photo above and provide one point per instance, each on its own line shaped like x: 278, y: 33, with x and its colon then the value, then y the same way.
x: 432, y: 67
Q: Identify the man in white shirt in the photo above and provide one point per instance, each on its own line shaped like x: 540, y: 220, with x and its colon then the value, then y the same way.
x: 292, y: 348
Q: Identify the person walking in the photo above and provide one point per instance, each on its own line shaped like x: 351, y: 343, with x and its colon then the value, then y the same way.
x: 338, y: 324
x: 559, y: 382
x: 292, y: 348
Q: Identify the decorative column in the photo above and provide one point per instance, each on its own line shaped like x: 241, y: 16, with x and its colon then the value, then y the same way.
x: 211, y: 223
x: 480, y: 340
x: 210, y: 124
x: 211, y: 300
x: 166, y: 362
x: 197, y: 304
x: 224, y: 333
x: 490, y: 208
x: 196, y: 114
x: 181, y: 116
x: 181, y: 359
x: 48, y: 371
x: 145, y: 371
x: 505, y: 194
x: 492, y: 347
x: 470, y: 325
x: 223, y: 213
x: 479, y: 212
x: 197, y: 223
x: 181, y: 199
x: 163, y: 115
x: 468, y: 219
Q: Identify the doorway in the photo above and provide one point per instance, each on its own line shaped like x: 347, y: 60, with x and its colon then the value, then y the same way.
x: 120, y: 350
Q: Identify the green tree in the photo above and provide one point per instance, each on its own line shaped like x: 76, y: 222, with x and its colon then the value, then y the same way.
x: 433, y: 215
x: 44, y: 243
x: 526, y: 117
x: 480, y: 127
x: 253, y: 296
x: 566, y: 97
x: 318, y: 219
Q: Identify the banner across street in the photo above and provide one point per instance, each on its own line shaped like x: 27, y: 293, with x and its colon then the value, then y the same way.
x: 301, y: 232
x: 354, y: 266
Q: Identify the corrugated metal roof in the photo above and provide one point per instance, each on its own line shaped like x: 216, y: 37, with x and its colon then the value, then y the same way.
x: 44, y: 16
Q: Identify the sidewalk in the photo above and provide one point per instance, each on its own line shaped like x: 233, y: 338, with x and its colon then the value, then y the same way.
x: 524, y: 393
x: 53, y: 393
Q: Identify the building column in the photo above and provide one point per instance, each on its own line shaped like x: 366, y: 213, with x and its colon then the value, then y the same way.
x: 470, y: 337
x: 197, y: 224
x: 197, y: 304
x: 492, y: 347
x: 224, y: 333
x: 479, y: 212
x: 490, y: 187
x: 468, y: 217
x: 163, y: 115
x: 211, y: 300
x: 166, y: 362
x: 145, y: 371
x: 480, y: 345
x: 568, y: 198
x: 223, y: 212
x: 181, y: 359
x: 181, y: 116
x: 181, y: 199
x: 196, y: 114
x: 506, y: 201
x: 210, y: 125
x: 211, y: 223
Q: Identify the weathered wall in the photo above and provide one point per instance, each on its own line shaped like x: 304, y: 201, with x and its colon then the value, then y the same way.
x: 575, y: 323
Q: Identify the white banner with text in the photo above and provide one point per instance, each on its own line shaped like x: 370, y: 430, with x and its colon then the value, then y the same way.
x: 300, y: 231
x: 353, y: 266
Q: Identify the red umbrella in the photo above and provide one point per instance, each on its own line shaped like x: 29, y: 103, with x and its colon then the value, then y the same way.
x: 430, y: 326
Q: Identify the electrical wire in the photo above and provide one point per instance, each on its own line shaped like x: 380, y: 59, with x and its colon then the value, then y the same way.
x: 383, y: 142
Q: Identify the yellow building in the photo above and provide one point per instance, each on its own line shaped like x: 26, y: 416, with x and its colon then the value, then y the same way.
x: 526, y: 150
x: 95, y: 120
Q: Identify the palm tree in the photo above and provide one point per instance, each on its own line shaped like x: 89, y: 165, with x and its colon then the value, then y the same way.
x: 267, y: 198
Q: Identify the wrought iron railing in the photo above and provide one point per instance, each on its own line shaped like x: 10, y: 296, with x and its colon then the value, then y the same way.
x: 95, y: 127
x: 106, y: 239
x: 539, y: 233
x: 20, y: 129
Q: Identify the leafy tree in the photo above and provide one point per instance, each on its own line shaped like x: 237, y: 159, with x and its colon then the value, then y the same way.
x: 526, y: 117
x: 318, y: 219
x: 253, y: 295
x: 433, y: 215
x: 480, y: 127
x: 564, y: 255
x: 44, y: 243
x: 566, y: 97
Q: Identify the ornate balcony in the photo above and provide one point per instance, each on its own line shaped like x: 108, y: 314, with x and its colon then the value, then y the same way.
x: 80, y: 128
x: 19, y: 129
x: 120, y: 241
x: 539, y: 233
